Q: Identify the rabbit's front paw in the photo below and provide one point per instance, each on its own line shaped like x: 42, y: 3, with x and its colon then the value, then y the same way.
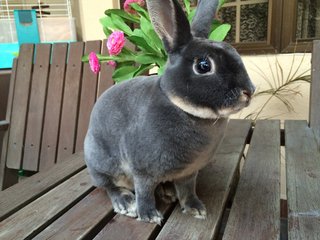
x: 195, y: 207
x: 125, y: 204
x: 150, y: 215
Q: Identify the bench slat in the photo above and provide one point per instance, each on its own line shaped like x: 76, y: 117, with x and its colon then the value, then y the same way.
x: 87, y: 96
x: 105, y: 79
x: 70, y: 101
x: 53, y: 106
x: 214, y: 185
x: 19, y: 195
x: 4, y: 125
x: 255, y: 212
x: 120, y: 227
x: 30, y: 220
x: 8, y: 177
x: 20, y: 106
x: 303, y: 181
x: 314, y: 105
x: 36, y: 107
x: 79, y: 221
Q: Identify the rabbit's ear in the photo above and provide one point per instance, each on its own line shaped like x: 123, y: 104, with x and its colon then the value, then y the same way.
x: 170, y: 23
x: 201, y: 24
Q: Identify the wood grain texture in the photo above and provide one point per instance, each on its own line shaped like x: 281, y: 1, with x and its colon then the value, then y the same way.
x: 314, y: 113
x: 4, y: 92
x: 4, y: 125
x: 37, y: 215
x: 19, y: 195
x: 87, y: 96
x: 52, y: 114
x: 20, y: 106
x: 303, y: 181
x: 213, y: 188
x: 8, y: 177
x: 105, y: 78
x: 122, y: 227
x: 79, y: 221
x: 35, y: 113
x: 255, y: 212
x: 70, y: 105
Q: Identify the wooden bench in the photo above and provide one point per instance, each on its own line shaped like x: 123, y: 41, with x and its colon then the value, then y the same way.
x: 61, y: 203
x: 50, y: 100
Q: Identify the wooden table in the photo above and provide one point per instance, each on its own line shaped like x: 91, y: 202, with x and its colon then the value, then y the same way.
x: 246, y: 204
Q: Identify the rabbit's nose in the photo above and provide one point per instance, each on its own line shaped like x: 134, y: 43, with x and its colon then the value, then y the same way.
x: 247, y: 93
x: 246, y: 96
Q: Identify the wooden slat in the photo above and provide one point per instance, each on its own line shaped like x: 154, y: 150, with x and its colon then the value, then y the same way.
x: 79, y: 221
x: 7, y: 176
x: 105, y: 79
x: 255, y: 212
x: 4, y: 92
x: 23, y: 193
x: 37, y: 215
x: 303, y: 181
x: 20, y: 106
x: 213, y: 188
x: 53, y: 106
x: 123, y: 227
x: 4, y: 125
x: 36, y: 107
x: 314, y: 105
x: 87, y: 96
x: 70, y: 101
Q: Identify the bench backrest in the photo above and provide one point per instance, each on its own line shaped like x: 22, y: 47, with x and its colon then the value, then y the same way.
x: 314, y: 113
x: 51, y: 102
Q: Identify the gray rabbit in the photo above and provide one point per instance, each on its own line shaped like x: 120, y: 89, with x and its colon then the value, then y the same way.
x: 155, y: 129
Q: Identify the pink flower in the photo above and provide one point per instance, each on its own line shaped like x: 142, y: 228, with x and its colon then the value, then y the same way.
x: 94, y: 62
x: 112, y: 63
x: 116, y: 42
x: 127, y: 7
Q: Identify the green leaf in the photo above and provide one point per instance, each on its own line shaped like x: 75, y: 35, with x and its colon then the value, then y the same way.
x: 191, y: 14
x: 120, y: 24
x: 143, y: 69
x: 221, y: 2
x: 187, y: 5
x: 107, y: 23
x: 130, y: 17
x: 127, y: 51
x: 140, y: 10
x: 220, y: 33
x: 148, y: 33
x: 124, y: 73
x: 107, y: 32
x: 161, y: 70
x: 146, y: 58
x: 141, y: 43
x: 161, y: 62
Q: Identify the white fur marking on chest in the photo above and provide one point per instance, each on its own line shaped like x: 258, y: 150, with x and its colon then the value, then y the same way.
x: 197, y: 111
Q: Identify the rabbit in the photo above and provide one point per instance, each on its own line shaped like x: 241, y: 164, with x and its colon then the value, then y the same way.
x: 156, y: 129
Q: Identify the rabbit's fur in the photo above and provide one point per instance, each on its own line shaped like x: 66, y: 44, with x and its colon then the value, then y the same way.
x: 155, y: 129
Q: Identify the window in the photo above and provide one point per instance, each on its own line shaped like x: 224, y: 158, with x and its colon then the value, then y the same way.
x: 272, y: 25
x: 301, y: 24
x: 54, y: 19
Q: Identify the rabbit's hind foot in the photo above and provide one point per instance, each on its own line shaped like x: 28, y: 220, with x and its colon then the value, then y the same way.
x: 195, y: 207
x: 123, y: 202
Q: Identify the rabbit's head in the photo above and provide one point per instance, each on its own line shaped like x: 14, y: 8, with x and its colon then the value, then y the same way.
x: 204, y: 78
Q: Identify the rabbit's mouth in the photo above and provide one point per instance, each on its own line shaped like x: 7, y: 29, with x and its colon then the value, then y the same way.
x: 235, y: 101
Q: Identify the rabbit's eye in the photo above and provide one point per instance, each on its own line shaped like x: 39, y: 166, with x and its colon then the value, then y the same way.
x: 202, y: 65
